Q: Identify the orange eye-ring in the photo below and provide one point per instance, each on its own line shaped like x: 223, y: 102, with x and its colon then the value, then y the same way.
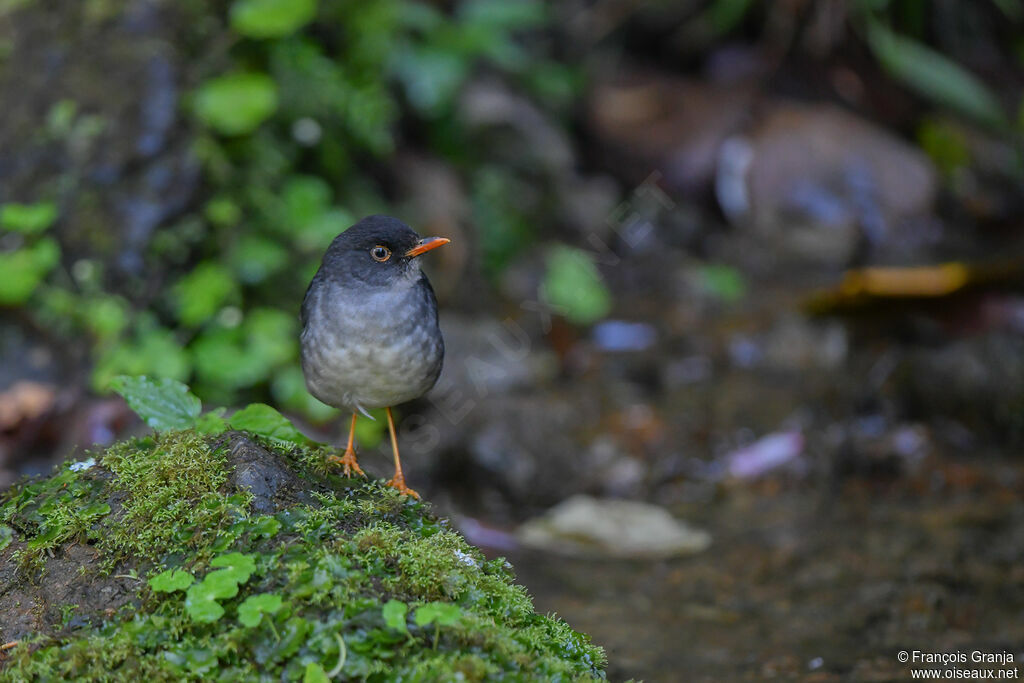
x: 380, y: 253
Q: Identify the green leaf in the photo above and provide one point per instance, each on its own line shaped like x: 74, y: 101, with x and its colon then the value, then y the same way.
x: 256, y: 258
x: 212, y: 422
x: 271, y: 18
x: 222, y: 211
x: 262, y: 420
x: 155, y: 350
x: 236, y: 565
x: 440, y: 613
x: 24, y: 269
x: 303, y: 199
x: 394, y: 612
x: 315, y: 674
x: 28, y: 219
x: 573, y: 286
x: 266, y: 526
x: 252, y: 610
x: 94, y: 511
x: 163, y: 403
x: 6, y: 536
x: 236, y: 104
x: 431, y: 77
x: 201, y: 598
x: 503, y: 15
x: 105, y: 316
x: 934, y: 76
x: 201, y: 293
x: 289, y: 389
x: 722, y: 282
x: 223, y: 360
x: 171, y: 580
x: 272, y: 336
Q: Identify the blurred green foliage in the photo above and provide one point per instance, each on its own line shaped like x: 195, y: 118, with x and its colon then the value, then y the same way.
x: 237, y: 103
x: 27, y: 218
x: 301, y: 107
x: 24, y: 268
x: 724, y: 283
x: 896, y: 32
x: 933, y: 75
x: 573, y: 287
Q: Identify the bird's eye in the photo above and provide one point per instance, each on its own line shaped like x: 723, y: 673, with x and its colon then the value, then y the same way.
x: 380, y: 253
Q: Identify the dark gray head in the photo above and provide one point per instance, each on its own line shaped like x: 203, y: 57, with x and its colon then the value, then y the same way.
x: 378, y: 251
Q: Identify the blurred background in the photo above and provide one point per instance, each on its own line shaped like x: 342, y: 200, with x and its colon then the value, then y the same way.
x: 753, y: 268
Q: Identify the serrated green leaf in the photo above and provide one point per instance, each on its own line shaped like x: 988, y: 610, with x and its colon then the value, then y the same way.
x: 236, y: 104
x: 171, y: 580
x: 394, y: 612
x: 162, y: 403
x: 271, y: 18
x: 934, y: 76
x: 573, y: 286
x: 262, y: 420
x: 251, y: 611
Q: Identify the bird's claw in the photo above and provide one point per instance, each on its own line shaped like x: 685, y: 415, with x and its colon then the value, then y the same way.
x: 398, y: 482
x: 348, y: 463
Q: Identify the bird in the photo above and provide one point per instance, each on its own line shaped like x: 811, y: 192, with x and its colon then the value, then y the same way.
x: 370, y: 334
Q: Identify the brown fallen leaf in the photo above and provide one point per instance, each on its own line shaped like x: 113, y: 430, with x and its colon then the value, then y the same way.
x: 24, y: 400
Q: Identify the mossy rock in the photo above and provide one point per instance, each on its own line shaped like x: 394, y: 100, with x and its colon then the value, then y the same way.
x: 190, y: 557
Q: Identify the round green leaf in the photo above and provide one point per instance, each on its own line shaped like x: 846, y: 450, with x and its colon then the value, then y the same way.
x: 171, y: 580
x: 252, y: 610
x: 24, y: 269
x: 236, y: 104
x: 201, y: 293
x: 271, y: 18
x: 27, y: 218
x: 236, y: 565
x: 573, y: 286
x: 394, y: 612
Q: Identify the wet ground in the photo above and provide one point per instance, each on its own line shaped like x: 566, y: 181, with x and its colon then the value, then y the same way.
x: 820, y: 584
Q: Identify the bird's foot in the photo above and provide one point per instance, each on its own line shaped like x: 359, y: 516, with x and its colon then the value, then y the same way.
x: 398, y: 482
x: 348, y: 463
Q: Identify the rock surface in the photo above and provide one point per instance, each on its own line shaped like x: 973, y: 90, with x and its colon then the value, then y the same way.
x: 612, y: 528
x: 189, y: 557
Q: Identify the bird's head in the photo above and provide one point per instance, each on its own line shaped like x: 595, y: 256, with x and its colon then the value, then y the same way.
x: 379, y: 251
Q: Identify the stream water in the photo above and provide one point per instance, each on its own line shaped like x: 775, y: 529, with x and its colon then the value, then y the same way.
x: 826, y: 584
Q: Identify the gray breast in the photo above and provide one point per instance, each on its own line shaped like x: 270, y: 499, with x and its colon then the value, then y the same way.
x: 370, y: 349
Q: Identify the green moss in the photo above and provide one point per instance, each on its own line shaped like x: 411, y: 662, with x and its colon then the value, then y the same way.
x: 273, y: 592
x: 174, y: 506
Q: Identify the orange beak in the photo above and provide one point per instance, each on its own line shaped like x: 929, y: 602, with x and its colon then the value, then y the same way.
x: 426, y: 244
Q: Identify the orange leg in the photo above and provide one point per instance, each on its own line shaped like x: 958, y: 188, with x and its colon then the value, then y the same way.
x: 348, y: 460
x: 398, y: 481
